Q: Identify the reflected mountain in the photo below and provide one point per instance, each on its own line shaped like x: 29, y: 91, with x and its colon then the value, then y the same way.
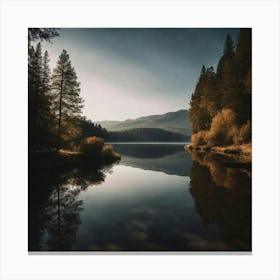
x: 53, y: 204
x: 168, y: 158
x: 223, y: 196
x: 135, y: 208
x: 148, y: 150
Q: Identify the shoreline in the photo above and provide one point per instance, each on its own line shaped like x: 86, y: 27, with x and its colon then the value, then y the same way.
x: 68, y: 158
x: 239, y: 154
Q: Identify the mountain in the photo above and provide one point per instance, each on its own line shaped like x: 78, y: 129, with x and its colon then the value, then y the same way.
x: 177, y: 122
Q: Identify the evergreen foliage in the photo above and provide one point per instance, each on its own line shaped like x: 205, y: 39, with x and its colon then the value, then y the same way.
x: 54, y: 102
x: 145, y: 135
x: 90, y: 128
x: 40, y: 118
x: 220, y: 95
x: 67, y: 103
x: 42, y: 34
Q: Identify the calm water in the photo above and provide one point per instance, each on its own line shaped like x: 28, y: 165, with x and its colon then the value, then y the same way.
x: 157, y: 198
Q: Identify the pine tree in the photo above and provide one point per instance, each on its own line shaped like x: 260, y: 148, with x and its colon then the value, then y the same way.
x: 67, y: 103
x: 42, y: 34
x: 46, y: 115
x: 228, y: 47
x: 34, y: 93
x: 40, y: 118
x: 39, y: 112
x: 46, y: 74
x: 226, y: 79
x: 199, y: 115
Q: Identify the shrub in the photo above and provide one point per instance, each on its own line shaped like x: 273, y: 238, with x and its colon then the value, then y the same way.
x: 107, y: 150
x: 223, y: 131
x: 222, y: 128
x: 92, y: 146
x: 198, y: 138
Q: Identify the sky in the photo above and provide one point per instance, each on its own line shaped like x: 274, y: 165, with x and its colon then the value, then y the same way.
x: 127, y: 73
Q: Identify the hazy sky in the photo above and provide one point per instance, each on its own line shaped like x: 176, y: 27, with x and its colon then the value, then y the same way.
x: 128, y: 73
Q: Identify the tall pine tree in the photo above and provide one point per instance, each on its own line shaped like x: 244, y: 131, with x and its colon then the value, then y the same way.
x: 225, y: 76
x: 34, y: 94
x: 39, y: 112
x: 67, y: 103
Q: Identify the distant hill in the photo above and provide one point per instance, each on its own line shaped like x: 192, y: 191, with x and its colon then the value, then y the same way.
x: 177, y: 122
x: 146, y: 135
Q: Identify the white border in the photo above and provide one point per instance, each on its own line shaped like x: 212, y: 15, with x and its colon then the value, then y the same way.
x: 262, y: 16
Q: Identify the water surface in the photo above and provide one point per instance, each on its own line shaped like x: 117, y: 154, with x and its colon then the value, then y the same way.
x: 157, y: 198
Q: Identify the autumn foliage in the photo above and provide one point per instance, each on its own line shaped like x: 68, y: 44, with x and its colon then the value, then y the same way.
x: 223, y: 131
x: 94, y: 147
x: 220, y: 111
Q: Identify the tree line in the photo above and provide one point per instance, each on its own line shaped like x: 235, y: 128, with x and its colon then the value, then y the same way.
x: 220, y: 107
x: 54, y: 101
x: 145, y: 135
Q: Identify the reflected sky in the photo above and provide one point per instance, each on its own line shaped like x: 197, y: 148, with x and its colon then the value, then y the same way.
x: 128, y: 212
x: 143, y: 203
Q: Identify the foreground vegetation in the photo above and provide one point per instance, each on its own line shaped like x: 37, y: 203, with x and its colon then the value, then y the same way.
x: 92, y: 151
x: 220, y: 111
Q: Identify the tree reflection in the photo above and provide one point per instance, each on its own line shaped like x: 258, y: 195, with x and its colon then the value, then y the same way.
x: 223, y: 196
x: 63, y: 211
x: 54, y: 204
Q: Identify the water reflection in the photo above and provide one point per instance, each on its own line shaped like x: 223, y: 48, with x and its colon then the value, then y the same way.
x: 54, y: 206
x: 168, y: 158
x: 223, y: 195
x: 158, y: 198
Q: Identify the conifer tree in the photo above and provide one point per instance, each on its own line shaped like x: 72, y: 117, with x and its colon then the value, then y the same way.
x: 34, y: 93
x: 42, y: 34
x: 67, y: 103
x: 40, y: 118
x: 199, y: 116
x: 46, y: 74
x: 225, y: 76
x: 39, y: 113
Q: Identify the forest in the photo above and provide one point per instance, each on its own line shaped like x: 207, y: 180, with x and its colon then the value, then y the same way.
x: 220, y: 107
x: 55, y: 121
x: 54, y: 101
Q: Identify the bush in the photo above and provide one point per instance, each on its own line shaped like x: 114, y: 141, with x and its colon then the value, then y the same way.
x: 223, y: 128
x: 199, y: 138
x: 223, y: 131
x: 92, y: 146
x: 107, y: 150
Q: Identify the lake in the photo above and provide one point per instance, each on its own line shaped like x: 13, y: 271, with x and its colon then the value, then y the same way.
x: 157, y: 198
